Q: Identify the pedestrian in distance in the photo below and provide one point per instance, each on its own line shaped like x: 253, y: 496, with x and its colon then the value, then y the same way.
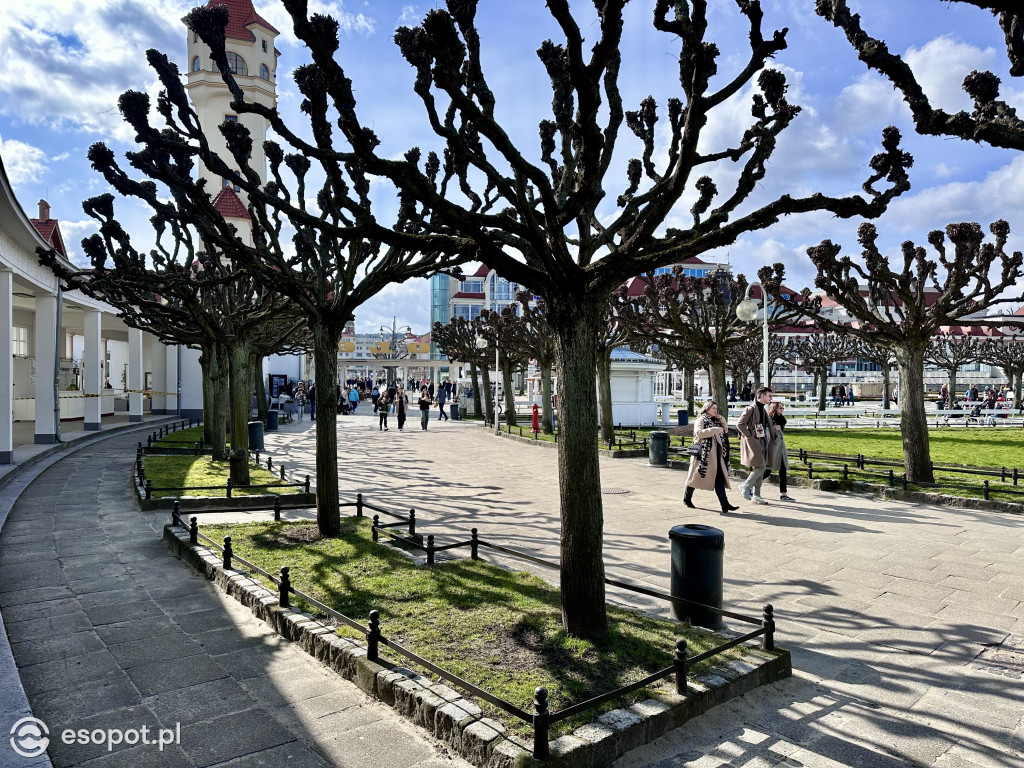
x: 300, y: 400
x: 353, y: 399
x: 442, y: 396
x: 382, y: 413
x: 375, y: 398
x: 424, y: 408
x: 312, y: 402
x: 780, y: 461
x: 710, y: 470
x: 401, y: 407
x: 757, y: 441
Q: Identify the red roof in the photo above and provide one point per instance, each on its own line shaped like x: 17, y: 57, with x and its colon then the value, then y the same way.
x: 1019, y: 311
x: 463, y: 295
x: 484, y: 271
x: 49, y: 230
x: 229, y: 205
x: 241, y: 15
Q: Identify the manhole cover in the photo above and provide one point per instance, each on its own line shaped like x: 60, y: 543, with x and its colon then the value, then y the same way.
x: 615, y: 490
x: 1006, y: 659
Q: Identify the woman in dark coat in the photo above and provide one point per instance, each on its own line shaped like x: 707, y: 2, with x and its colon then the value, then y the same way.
x: 710, y: 470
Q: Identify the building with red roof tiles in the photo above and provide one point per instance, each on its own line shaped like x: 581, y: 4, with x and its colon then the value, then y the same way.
x: 49, y: 229
x: 230, y: 206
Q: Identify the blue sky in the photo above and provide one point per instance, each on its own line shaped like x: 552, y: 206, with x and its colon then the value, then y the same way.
x: 63, y: 64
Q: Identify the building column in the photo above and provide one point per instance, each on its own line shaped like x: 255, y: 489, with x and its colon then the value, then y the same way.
x: 171, y: 377
x: 45, y: 361
x: 92, y: 370
x: 158, y: 366
x: 134, y: 374
x: 191, y: 384
x: 6, y: 368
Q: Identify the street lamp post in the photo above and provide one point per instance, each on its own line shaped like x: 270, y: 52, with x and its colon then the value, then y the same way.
x: 746, y: 311
x: 481, y: 343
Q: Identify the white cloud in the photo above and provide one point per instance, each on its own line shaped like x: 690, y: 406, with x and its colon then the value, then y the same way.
x: 73, y: 232
x: 23, y: 162
x: 348, y: 23
x: 410, y: 15
x: 940, y: 66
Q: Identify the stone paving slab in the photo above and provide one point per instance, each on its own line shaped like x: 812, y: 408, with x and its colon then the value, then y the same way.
x: 108, y: 630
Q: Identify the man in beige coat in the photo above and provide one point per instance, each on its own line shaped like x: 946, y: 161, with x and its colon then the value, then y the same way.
x: 757, y: 441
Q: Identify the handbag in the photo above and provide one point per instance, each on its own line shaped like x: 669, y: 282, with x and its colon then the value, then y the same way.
x: 694, y: 449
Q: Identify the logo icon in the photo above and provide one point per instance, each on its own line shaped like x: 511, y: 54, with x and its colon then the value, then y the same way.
x: 30, y: 737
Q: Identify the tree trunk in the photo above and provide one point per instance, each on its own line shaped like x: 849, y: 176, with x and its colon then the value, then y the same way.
x: 886, y: 388
x: 325, y: 355
x: 716, y: 380
x: 477, y: 407
x: 546, y: 420
x: 951, y: 395
x: 823, y: 392
x: 488, y: 399
x: 215, y: 403
x: 814, y: 386
x: 261, y: 387
x: 579, y: 472
x: 241, y: 406
x: 510, y: 397
x: 688, y: 378
x: 604, y: 394
x: 913, y: 424
x: 1016, y: 388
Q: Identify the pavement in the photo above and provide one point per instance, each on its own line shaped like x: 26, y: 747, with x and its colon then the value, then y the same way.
x: 110, y: 632
x: 905, y: 621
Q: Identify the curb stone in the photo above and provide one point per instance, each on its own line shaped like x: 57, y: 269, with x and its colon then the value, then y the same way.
x: 459, y: 722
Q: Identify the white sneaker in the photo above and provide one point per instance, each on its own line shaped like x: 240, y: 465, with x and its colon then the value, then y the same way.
x: 759, y: 500
x: 745, y: 491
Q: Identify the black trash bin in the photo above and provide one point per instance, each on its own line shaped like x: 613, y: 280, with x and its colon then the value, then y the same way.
x: 453, y: 409
x: 256, y: 435
x: 697, y: 556
x: 657, y: 452
x: 684, y: 417
x: 272, y: 420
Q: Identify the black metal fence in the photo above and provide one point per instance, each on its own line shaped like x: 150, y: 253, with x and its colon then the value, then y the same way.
x: 541, y: 718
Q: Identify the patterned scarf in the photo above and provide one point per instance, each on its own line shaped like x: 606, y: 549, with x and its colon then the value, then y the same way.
x: 707, y: 422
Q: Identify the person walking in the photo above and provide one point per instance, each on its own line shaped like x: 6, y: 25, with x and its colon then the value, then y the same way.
x: 300, y: 400
x: 780, y: 461
x: 401, y: 407
x: 710, y: 470
x: 312, y: 402
x: 382, y: 413
x: 424, y: 409
x: 757, y: 440
x: 353, y: 399
x: 442, y: 397
x: 375, y: 397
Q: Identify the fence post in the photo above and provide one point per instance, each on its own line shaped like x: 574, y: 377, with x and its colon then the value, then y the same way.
x: 412, y: 522
x: 373, y: 528
x: 193, y: 532
x: 227, y: 553
x: 149, y: 490
x: 359, y: 505
x: 373, y: 637
x: 175, y: 512
x: 846, y: 471
x: 277, y: 509
x: 892, y: 479
x: 540, y: 724
x: 680, y: 665
x: 229, y: 487
x: 284, y: 588
x: 904, y: 481
x: 810, y: 470
x: 768, y: 622
x: 1015, y: 475
x: 430, y: 549
x: 257, y: 457
x: 474, y: 543
x: 270, y: 464
x: 307, y: 483
x: 984, y: 490
x: 149, y: 441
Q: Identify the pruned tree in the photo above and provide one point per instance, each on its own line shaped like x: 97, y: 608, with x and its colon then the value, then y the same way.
x: 550, y: 224
x: 884, y: 358
x: 538, y: 343
x: 503, y: 331
x: 903, y: 307
x: 457, y: 340
x: 1008, y: 354
x: 819, y: 351
x: 744, y: 359
x: 992, y: 122
x: 682, y: 359
x: 949, y: 351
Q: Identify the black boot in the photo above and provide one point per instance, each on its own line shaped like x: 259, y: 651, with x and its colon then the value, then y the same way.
x: 688, y: 498
x: 727, y: 507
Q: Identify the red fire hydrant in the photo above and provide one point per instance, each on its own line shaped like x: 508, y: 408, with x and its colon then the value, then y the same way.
x: 536, y: 418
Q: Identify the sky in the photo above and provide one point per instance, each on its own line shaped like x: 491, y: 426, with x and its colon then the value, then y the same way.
x: 63, y: 64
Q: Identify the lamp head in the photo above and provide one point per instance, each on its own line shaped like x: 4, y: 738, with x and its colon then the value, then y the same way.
x: 481, y: 342
x: 747, y: 310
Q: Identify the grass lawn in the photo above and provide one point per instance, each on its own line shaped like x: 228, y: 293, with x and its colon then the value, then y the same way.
x: 183, y: 438
x: 496, y: 628
x: 181, y: 471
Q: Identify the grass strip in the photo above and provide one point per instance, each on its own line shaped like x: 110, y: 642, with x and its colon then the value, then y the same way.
x: 496, y: 628
x: 183, y: 438
x: 188, y: 471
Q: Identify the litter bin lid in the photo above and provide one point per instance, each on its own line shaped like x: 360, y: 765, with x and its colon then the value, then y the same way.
x: 255, y: 422
x: 658, y: 435
x: 704, y: 535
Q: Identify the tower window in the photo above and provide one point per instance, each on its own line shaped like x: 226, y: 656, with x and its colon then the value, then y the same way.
x: 236, y: 64
x: 264, y: 46
x: 196, y: 64
x: 264, y: 72
x: 195, y: 37
x: 225, y: 182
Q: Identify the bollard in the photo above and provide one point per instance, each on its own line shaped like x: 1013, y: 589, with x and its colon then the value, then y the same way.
x: 474, y: 544
x: 768, y: 622
x: 149, y: 441
x: 193, y: 532
x: 810, y: 470
x: 284, y: 588
x: 282, y: 471
x: 359, y: 505
x: 270, y: 464
x: 373, y: 528
x: 984, y: 490
x: 846, y: 471
x: 680, y: 664
x: 892, y: 479
x: 430, y: 549
x: 175, y: 513
x: 540, y: 724
x: 277, y: 509
x: 149, y: 490
x: 412, y: 522
x: 229, y: 487
x: 373, y: 637
x: 307, y: 483
x: 257, y: 457
x: 904, y: 480
x: 227, y: 553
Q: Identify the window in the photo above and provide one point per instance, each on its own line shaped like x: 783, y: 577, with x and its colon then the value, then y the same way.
x: 231, y: 118
x: 196, y: 64
x: 227, y: 183
x: 472, y: 286
x: 237, y: 64
x: 195, y: 37
x: 264, y: 72
x: 264, y: 46
x: 19, y: 341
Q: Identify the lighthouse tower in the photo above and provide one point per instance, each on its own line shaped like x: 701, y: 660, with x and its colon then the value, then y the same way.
x: 253, y: 60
